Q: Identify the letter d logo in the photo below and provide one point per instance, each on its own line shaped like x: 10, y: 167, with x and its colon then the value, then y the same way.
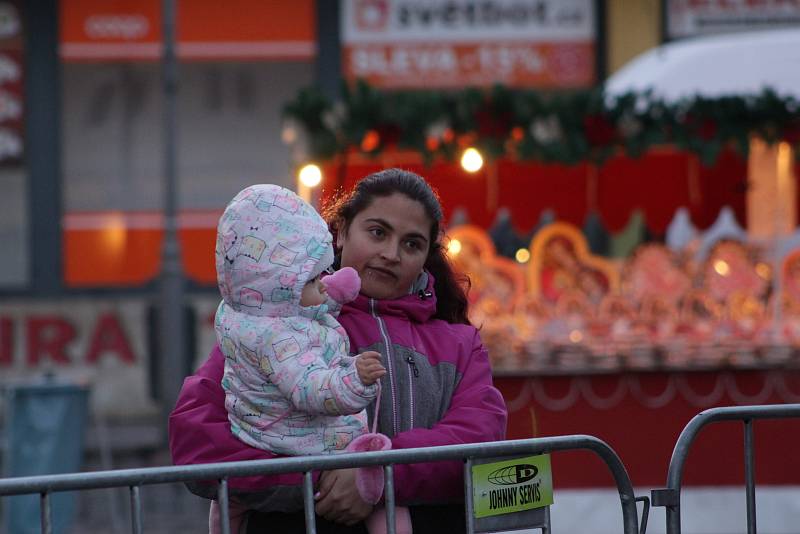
x: 525, y: 472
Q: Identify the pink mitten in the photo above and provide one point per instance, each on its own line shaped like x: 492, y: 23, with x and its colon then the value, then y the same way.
x: 369, y: 480
x: 343, y: 285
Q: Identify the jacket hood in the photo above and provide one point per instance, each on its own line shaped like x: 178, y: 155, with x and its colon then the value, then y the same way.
x: 269, y: 244
x: 418, y: 306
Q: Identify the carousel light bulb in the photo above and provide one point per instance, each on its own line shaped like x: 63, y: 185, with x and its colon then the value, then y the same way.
x: 310, y: 175
x: 454, y: 247
x: 576, y: 336
x: 722, y: 267
x: 522, y: 255
x: 471, y: 160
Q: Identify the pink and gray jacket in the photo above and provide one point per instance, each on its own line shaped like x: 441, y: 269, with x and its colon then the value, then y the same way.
x: 437, y: 391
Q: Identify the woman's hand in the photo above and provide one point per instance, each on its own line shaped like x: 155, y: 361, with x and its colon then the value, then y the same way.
x: 338, y: 499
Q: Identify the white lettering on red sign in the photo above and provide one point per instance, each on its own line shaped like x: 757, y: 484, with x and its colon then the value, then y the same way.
x: 404, y: 60
x: 454, y: 43
x: 126, y: 27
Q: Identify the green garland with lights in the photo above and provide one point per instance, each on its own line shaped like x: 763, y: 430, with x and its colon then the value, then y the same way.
x: 530, y: 125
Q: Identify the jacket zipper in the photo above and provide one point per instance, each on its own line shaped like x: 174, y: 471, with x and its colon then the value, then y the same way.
x: 390, y: 357
x: 412, y: 368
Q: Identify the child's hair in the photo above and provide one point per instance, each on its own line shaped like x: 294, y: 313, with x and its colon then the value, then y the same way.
x: 451, y: 288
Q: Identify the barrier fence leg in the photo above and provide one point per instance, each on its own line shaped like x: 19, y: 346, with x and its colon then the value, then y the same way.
x: 308, y: 503
x: 468, y: 502
x: 546, y: 526
x: 47, y: 518
x: 670, y: 499
x: 224, y: 507
x: 388, y: 493
x: 136, y: 510
x: 749, y: 474
x: 645, y: 512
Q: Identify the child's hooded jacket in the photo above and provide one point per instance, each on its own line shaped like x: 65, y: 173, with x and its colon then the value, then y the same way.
x: 290, y: 385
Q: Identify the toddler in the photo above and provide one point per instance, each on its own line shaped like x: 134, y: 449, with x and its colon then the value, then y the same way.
x: 291, y: 386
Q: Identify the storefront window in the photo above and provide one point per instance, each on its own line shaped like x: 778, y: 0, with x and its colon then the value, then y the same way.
x: 231, y: 88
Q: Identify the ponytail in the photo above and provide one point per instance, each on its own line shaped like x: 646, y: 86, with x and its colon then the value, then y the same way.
x: 451, y: 288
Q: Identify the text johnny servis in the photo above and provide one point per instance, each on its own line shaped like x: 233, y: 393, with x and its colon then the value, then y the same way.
x: 514, y: 496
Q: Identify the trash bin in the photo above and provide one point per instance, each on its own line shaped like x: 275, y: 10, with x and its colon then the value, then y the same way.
x: 45, y: 427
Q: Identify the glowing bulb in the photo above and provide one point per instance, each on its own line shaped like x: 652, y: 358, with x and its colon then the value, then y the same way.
x: 454, y: 247
x: 310, y: 175
x: 115, y: 235
x: 471, y: 160
x: 522, y: 255
x: 722, y: 267
x: 575, y: 336
x: 289, y: 134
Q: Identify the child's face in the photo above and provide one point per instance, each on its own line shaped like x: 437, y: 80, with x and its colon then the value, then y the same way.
x: 313, y: 293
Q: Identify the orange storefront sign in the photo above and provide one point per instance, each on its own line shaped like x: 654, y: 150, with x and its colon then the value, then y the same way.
x: 102, y: 30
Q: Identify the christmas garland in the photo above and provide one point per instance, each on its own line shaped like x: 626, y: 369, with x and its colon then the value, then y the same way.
x: 529, y: 125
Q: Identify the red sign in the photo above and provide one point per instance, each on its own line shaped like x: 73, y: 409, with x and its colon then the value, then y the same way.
x: 93, y: 341
x: 443, y: 44
x: 206, y: 29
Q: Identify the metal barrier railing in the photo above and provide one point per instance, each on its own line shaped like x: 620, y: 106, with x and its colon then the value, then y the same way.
x: 135, y: 478
x: 670, y: 496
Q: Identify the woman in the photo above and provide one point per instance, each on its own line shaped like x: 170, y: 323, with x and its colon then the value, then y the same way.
x: 438, y: 387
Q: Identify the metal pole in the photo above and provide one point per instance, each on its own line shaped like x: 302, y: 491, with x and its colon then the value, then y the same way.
x: 224, y: 507
x: 47, y: 513
x: 136, y: 510
x: 750, y: 478
x: 308, y: 503
x: 388, y: 498
x: 328, y: 67
x: 171, y: 321
x: 469, y: 499
x: 42, y: 97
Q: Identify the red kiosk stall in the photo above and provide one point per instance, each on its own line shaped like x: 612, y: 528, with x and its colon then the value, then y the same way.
x: 627, y: 349
x: 640, y: 404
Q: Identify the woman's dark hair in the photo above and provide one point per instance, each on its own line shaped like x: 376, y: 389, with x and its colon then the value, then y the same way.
x: 451, y: 288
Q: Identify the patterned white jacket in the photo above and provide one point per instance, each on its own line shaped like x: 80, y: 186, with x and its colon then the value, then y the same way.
x: 291, y: 386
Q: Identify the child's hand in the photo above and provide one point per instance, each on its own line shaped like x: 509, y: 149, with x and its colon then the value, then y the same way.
x: 369, y: 367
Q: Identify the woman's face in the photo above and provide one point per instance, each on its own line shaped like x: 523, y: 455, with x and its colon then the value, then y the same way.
x: 387, y: 243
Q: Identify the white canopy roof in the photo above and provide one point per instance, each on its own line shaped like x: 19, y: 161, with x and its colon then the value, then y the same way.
x: 730, y: 64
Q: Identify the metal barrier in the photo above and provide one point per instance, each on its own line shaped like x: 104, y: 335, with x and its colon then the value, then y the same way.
x: 135, y: 478
x: 670, y: 496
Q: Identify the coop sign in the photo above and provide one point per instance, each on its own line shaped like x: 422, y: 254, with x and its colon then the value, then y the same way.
x: 512, y: 485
